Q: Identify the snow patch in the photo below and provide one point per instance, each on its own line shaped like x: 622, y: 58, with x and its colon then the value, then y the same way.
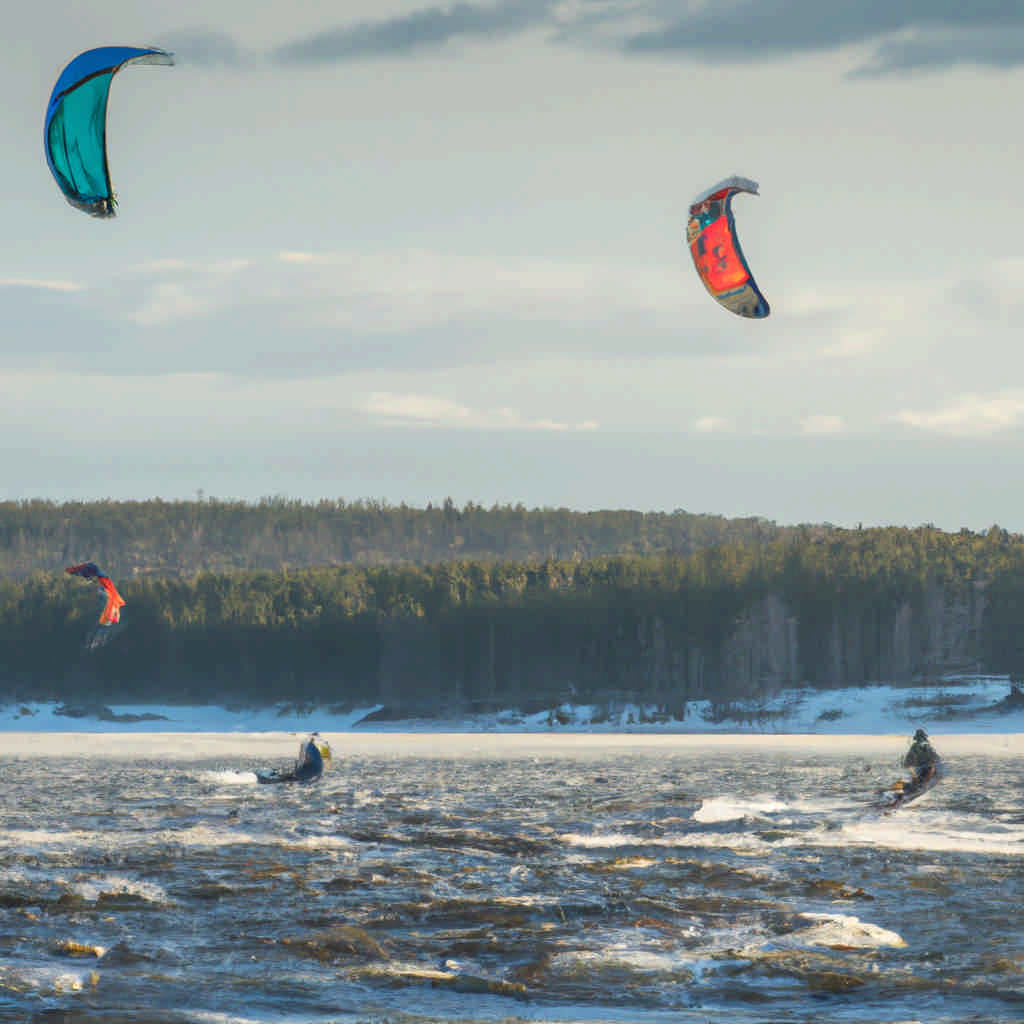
x: 958, y: 705
x: 47, y: 717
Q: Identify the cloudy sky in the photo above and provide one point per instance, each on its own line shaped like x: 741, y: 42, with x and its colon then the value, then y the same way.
x: 398, y: 250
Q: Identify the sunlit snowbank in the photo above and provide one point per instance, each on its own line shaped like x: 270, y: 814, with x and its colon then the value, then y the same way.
x: 969, y: 704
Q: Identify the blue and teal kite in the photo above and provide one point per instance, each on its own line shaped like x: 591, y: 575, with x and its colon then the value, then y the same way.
x: 75, y: 136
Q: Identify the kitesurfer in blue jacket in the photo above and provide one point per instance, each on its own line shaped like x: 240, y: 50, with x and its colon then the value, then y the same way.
x: 311, y: 763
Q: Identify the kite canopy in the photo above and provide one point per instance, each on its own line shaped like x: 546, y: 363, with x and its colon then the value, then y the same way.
x: 113, y: 602
x: 715, y: 247
x: 75, y: 134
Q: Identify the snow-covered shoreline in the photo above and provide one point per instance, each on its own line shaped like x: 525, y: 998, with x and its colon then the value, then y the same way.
x: 958, y: 705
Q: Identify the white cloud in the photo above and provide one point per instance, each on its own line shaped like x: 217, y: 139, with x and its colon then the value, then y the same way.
x: 40, y: 284
x: 156, y: 266
x: 416, y: 407
x: 822, y: 423
x: 807, y: 301
x: 168, y: 302
x: 970, y: 415
x: 445, y: 412
x: 856, y: 342
x: 710, y: 424
x: 175, y: 290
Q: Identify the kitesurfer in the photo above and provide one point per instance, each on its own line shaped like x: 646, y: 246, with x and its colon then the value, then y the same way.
x: 921, y: 756
x: 313, y: 752
x: 311, y: 762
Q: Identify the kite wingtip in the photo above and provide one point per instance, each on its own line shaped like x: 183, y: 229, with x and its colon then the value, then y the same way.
x: 735, y: 181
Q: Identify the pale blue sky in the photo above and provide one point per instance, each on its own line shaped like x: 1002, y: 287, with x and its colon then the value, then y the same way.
x: 403, y: 251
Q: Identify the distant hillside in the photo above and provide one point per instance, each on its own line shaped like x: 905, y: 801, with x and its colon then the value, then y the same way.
x: 180, y: 538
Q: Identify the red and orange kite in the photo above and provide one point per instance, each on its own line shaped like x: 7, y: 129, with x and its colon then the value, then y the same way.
x: 113, y: 602
x: 715, y: 247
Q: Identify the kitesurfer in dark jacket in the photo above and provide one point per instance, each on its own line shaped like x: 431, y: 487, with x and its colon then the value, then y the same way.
x: 311, y: 763
x: 921, y: 756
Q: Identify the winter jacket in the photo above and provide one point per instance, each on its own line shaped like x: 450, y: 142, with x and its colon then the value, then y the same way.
x: 920, y: 755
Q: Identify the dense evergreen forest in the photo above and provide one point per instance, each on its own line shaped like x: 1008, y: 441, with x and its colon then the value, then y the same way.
x: 181, y: 538
x: 743, y: 617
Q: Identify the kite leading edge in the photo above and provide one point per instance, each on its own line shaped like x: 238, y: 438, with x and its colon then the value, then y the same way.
x: 75, y: 133
x: 715, y: 247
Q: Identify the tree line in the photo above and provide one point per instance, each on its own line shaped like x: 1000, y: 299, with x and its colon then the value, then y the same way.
x: 738, y: 619
x: 181, y: 538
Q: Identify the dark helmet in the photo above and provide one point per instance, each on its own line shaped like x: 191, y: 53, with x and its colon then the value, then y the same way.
x: 920, y: 736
